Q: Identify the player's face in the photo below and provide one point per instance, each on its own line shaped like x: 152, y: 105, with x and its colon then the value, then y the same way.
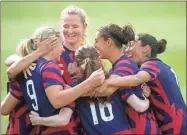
x: 73, y: 29
x: 136, y: 51
x: 101, y: 46
x: 58, y: 49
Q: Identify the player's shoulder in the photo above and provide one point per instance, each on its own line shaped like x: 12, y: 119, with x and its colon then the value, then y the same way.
x: 124, y: 60
x: 153, y: 62
x: 43, y: 64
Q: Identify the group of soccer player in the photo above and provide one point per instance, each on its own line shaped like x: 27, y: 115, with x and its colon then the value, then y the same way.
x: 57, y: 84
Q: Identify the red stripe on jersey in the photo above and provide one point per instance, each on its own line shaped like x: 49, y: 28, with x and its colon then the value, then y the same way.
x: 151, y: 62
x: 66, y: 73
x: 17, y: 126
x: 28, y: 122
x: 161, y: 91
x: 153, y: 127
x: 51, y: 65
x: 176, y: 115
x: 141, y: 121
x: 17, y: 93
x: 72, y: 104
x: 44, y: 84
x: 52, y: 75
x: 124, y: 96
x: 151, y: 67
x: 125, y: 132
x: 176, y: 123
x: 159, y: 116
x: 71, y: 56
x: 123, y: 61
x: 161, y: 105
x: 21, y: 111
x: 154, y: 74
x: 34, y: 131
x: 11, y: 125
x: 69, y: 128
x: 7, y: 132
x: 124, y: 69
x: 15, y: 84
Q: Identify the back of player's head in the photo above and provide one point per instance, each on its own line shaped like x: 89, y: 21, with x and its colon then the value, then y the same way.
x: 87, y: 59
x: 156, y: 46
x: 45, y: 32
x: 120, y: 36
x: 40, y: 34
x: 21, y: 49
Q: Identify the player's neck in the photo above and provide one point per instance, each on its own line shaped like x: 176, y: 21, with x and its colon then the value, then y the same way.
x: 48, y: 57
x: 115, y: 54
x: 72, y: 47
x: 142, y: 60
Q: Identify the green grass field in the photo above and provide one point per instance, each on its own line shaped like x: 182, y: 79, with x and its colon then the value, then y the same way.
x: 161, y: 19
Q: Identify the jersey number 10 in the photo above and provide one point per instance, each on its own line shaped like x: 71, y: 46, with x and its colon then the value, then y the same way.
x: 102, y: 112
x: 32, y: 94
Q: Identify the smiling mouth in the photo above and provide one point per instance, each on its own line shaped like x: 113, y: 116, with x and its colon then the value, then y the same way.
x: 71, y: 36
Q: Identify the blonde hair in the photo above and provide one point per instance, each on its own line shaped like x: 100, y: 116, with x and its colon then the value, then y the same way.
x: 21, y: 48
x: 73, y: 10
x: 41, y: 34
x: 27, y: 46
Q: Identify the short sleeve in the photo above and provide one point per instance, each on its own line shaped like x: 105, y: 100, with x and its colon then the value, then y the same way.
x: 125, y: 93
x: 14, y: 89
x: 123, y: 68
x: 51, y: 75
x: 152, y: 68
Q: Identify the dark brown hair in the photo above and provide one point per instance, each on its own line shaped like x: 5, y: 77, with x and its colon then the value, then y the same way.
x: 87, y: 59
x: 157, y: 47
x: 121, y: 36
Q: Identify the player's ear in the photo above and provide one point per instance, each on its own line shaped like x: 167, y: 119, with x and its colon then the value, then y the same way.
x: 109, y: 42
x: 146, y: 49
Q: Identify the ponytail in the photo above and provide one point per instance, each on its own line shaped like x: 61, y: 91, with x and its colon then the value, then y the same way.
x: 129, y: 34
x: 161, y: 46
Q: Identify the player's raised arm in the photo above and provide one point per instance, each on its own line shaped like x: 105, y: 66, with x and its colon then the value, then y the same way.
x: 11, y: 59
x: 23, y: 63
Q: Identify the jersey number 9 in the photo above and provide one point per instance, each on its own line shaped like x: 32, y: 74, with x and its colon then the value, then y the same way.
x: 32, y: 94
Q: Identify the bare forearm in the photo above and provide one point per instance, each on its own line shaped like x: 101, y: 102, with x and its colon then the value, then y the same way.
x: 67, y: 96
x: 125, y: 81
x: 142, y: 105
x: 62, y: 119
x: 11, y: 59
x: 8, y: 104
x: 105, y: 89
x: 3, y: 110
x: 138, y: 104
x: 52, y: 121
x: 22, y: 64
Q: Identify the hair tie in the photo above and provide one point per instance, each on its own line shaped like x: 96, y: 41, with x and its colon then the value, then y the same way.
x: 87, y: 60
